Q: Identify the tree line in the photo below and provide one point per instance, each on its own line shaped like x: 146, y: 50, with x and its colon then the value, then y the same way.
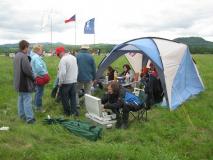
x: 103, y: 48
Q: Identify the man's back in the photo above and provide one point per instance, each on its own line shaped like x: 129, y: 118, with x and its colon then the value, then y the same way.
x: 22, y: 73
x: 86, y: 66
x: 68, y: 69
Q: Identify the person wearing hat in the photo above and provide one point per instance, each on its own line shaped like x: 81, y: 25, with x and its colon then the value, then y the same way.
x: 67, y: 74
x: 87, y: 70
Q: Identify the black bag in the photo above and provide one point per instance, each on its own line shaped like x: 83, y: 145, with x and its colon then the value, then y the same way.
x: 56, y: 93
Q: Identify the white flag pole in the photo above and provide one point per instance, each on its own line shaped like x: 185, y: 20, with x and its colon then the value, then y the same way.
x: 75, y: 30
x: 94, y: 36
x: 51, y: 29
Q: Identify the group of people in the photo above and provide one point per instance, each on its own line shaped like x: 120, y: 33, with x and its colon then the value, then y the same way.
x: 75, y: 72
x: 31, y: 75
x: 152, y: 85
x: 127, y: 73
x: 28, y: 70
x: 114, y: 99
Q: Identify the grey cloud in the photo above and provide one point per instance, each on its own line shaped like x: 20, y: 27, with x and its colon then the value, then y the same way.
x: 160, y: 23
x: 170, y: 20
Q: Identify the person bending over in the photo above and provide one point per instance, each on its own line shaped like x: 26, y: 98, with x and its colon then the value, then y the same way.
x: 114, y: 100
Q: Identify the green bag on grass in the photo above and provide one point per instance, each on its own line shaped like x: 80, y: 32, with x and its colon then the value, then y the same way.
x: 78, y: 128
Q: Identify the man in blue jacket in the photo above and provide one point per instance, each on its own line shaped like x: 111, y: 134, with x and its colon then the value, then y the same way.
x: 86, y: 70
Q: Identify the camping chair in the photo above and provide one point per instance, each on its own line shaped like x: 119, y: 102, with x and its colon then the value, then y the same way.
x: 138, y: 112
x: 141, y: 113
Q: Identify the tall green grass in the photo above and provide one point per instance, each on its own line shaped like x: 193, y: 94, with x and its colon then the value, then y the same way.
x: 186, y: 133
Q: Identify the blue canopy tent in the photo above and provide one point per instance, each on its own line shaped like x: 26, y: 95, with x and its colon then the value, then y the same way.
x: 177, y: 71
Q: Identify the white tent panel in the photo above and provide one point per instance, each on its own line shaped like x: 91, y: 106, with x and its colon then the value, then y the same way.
x: 135, y: 60
x: 171, y: 55
x: 168, y: 47
x: 169, y: 77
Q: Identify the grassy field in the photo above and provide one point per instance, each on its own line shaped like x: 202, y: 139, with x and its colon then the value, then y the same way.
x: 186, y: 133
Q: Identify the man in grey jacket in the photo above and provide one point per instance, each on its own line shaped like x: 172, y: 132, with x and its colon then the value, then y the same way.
x: 24, y: 83
x: 67, y: 74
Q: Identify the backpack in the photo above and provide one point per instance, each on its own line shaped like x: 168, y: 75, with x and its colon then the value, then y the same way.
x: 132, y: 99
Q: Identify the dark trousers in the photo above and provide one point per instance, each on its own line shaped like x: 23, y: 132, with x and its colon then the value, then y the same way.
x: 68, y: 99
x: 122, y: 113
x: 123, y: 117
x: 126, y: 109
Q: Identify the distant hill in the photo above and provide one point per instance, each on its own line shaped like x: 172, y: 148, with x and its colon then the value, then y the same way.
x: 12, y: 48
x: 197, y: 44
x: 195, y: 41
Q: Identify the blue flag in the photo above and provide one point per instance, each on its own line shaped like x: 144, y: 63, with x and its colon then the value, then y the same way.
x: 89, y: 27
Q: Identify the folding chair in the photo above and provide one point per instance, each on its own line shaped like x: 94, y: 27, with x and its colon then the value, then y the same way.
x: 139, y: 112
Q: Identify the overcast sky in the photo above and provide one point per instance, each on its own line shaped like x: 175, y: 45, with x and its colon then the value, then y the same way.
x: 116, y: 21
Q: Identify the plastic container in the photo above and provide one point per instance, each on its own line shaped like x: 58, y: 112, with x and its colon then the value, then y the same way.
x: 106, y: 79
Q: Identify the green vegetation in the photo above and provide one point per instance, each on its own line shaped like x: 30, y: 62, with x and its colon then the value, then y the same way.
x: 196, y: 45
x: 183, y: 134
x: 13, y: 48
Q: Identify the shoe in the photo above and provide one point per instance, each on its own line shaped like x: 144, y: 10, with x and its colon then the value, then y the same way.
x: 23, y: 118
x: 124, y: 126
x: 78, y: 107
x: 31, y: 121
x: 118, y: 125
x: 41, y: 110
x: 76, y: 115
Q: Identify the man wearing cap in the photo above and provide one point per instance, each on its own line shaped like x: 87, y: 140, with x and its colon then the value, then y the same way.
x: 67, y: 74
x: 87, y: 70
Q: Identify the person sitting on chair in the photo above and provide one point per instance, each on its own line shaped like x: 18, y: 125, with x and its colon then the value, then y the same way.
x: 110, y: 73
x: 114, y: 100
x: 128, y: 72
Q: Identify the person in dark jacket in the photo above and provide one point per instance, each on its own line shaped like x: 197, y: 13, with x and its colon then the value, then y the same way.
x: 114, y: 100
x: 154, y: 91
x: 86, y: 70
x: 24, y: 82
x: 110, y: 73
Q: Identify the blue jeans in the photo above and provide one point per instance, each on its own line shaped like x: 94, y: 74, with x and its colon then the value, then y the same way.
x: 25, y: 111
x: 38, y: 96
